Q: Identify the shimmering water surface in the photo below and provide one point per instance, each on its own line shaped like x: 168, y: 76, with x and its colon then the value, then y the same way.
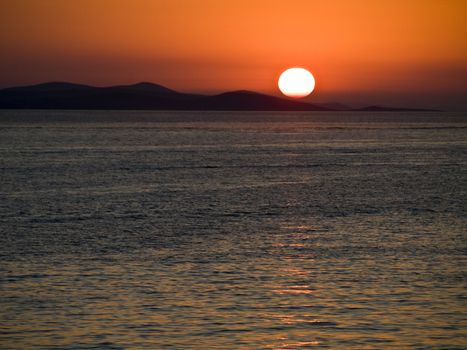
x: 166, y: 230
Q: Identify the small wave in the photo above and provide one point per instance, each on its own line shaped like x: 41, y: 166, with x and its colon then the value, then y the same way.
x: 19, y: 278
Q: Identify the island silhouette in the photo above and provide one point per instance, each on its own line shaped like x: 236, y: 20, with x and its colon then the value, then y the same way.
x: 150, y: 96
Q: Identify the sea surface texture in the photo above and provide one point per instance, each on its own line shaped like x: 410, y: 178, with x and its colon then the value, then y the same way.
x: 169, y: 230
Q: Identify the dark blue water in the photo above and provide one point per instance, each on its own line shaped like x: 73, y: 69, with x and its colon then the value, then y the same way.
x: 166, y: 230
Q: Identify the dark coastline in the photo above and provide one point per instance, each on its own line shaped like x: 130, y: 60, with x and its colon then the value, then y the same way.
x: 149, y: 96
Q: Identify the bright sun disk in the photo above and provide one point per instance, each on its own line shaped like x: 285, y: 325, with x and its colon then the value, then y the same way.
x: 296, y: 82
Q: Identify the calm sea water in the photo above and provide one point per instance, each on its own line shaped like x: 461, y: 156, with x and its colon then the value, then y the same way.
x: 166, y: 230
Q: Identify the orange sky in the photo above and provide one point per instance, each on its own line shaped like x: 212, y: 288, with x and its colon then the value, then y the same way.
x: 383, y: 51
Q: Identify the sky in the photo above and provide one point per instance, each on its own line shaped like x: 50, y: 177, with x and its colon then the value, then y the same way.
x: 397, y: 52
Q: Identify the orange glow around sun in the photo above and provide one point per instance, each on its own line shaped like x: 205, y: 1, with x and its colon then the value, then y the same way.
x: 296, y: 82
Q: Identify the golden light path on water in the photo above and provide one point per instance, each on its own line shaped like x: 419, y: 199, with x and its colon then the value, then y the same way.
x: 286, y: 300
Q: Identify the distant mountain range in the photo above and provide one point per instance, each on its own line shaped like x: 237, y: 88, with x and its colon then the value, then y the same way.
x: 149, y: 96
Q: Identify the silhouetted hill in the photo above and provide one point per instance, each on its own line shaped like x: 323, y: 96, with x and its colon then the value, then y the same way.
x: 149, y: 96
x: 249, y: 100
x: 146, y: 87
x: 139, y: 96
x: 75, y: 96
x: 49, y: 88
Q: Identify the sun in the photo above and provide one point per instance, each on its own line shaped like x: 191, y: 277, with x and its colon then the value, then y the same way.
x: 296, y: 82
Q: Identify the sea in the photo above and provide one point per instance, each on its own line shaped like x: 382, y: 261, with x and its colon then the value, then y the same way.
x: 233, y: 230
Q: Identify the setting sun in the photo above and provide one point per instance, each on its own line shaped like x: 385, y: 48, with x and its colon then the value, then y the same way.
x: 296, y: 82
